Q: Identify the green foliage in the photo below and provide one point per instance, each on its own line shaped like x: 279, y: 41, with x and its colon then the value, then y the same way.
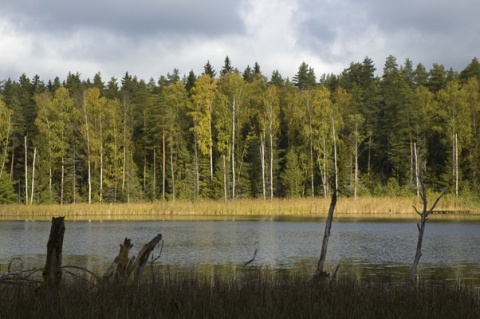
x: 7, y: 191
x: 292, y: 177
x: 243, y: 135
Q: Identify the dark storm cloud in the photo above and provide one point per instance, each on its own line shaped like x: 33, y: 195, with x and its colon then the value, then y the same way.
x: 126, y: 17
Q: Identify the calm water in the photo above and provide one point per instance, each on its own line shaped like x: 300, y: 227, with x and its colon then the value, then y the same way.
x: 380, y: 249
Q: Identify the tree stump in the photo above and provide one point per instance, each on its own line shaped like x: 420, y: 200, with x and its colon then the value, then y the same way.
x: 123, y: 266
x: 52, y: 273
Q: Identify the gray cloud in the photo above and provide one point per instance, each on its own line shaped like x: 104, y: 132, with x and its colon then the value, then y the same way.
x: 126, y: 17
x: 426, y: 31
x: 151, y: 37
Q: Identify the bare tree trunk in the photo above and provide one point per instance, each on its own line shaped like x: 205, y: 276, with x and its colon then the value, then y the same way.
x: 172, y: 170
x: 124, y: 166
x: 225, y: 192
x: 421, y: 226
x: 262, y: 159
x: 74, y: 179
x: 101, y: 160
x: 233, y: 148
x: 355, y: 179
x: 89, y: 164
x: 154, y: 179
x: 163, y: 164
x: 115, y: 162
x: 26, y: 170
x: 312, y: 175
x: 417, y: 185
x: 211, y: 152
x: 369, y: 156
x: 320, y: 273
x: 12, y: 164
x: 412, y: 159
x: 271, y: 163
x: 456, y: 165
x: 62, y: 181
x: 196, y: 169
x: 33, y: 175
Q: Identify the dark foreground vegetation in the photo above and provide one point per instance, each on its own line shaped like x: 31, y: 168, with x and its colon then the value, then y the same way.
x: 259, y: 294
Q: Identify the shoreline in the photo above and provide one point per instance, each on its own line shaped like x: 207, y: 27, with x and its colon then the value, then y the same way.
x: 243, y: 209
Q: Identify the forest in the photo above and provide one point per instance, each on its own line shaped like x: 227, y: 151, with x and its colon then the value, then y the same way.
x: 235, y: 134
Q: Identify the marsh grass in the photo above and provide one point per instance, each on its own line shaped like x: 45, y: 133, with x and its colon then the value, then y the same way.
x: 300, y: 207
x: 252, y: 295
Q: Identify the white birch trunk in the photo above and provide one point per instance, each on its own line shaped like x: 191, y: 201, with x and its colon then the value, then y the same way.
x: 225, y: 192
x: 101, y: 160
x: 271, y: 163
x: 26, y: 170
x: 33, y: 175
x: 415, y: 154
x: 164, y: 154
x: 172, y: 171
x: 262, y: 158
x: 233, y: 148
x: 89, y: 164
x: 456, y: 165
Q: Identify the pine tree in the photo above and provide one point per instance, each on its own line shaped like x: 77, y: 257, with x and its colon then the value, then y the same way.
x: 209, y: 70
x: 471, y: 70
x: 227, y: 66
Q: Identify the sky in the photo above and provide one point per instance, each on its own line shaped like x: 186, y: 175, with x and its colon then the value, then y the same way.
x: 149, y: 38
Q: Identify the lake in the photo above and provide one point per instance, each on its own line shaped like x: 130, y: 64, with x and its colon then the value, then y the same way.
x: 376, y: 249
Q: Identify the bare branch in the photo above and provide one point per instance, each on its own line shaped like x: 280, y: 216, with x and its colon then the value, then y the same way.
x: 416, y: 210
x: 97, y: 278
x: 252, y: 259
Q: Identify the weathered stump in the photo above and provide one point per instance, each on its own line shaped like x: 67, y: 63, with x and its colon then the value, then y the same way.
x: 123, y: 266
x: 52, y: 273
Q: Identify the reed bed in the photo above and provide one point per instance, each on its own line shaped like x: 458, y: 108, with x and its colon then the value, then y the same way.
x: 254, y: 295
x: 301, y: 207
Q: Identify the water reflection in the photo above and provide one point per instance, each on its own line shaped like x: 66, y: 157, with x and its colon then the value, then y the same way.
x: 367, y: 249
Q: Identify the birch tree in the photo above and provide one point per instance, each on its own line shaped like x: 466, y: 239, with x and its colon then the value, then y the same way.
x: 452, y: 103
x: 203, y: 94
x: 235, y: 88
x: 271, y: 124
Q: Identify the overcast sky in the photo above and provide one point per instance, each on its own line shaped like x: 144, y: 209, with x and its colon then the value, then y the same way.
x: 149, y: 38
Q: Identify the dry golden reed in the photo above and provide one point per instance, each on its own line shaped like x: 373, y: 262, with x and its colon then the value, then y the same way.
x: 297, y: 207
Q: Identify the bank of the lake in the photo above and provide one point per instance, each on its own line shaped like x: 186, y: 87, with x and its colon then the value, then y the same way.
x: 301, y: 207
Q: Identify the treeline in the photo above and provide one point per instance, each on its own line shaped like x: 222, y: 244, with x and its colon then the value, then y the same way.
x: 240, y: 134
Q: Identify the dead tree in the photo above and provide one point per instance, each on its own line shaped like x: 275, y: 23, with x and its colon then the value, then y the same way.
x: 421, y: 225
x: 320, y: 273
x: 123, y: 266
x: 52, y: 274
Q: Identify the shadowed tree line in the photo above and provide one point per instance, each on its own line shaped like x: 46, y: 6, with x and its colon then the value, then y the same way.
x: 240, y: 134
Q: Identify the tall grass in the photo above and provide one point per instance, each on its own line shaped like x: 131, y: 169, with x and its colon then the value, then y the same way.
x: 306, y: 207
x: 256, y: 295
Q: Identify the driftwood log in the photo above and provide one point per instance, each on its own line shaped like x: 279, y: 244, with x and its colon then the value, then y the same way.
x: 52, y: 273
x: 122, y: 267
